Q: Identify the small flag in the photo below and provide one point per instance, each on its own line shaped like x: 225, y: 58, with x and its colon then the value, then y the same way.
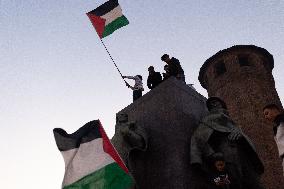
x: 107, y: 18
x: 91, y: 162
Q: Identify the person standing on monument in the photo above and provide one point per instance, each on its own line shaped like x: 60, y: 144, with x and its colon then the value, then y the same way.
x: 275, y: 115
x: 138, y: 86
x: 174, y: 67
x: 166, y: 74
x: 217, y: 133
x: 154, y: 78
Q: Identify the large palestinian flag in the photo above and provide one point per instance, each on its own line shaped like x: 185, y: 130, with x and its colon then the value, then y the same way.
x: 107, y: 18
x: 91, y: 162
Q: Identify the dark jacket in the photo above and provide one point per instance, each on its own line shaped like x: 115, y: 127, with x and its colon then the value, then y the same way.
x: 175, y: 67
x: 154, y: 80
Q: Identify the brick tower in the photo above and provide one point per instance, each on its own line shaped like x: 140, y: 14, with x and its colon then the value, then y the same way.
x: 242, y: 77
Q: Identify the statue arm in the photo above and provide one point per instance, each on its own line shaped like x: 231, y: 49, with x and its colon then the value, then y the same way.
x: 135, y: 136
x: 200, y: 149
x: 195, y: 152
x: 135, y: 140
x: 199, y: 152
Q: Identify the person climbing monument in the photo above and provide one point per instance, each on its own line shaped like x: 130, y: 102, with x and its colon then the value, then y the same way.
x: 174, y: 67
x: 154, y: 78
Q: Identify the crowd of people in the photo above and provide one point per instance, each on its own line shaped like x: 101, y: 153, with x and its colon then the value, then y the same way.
x: 172, y: 68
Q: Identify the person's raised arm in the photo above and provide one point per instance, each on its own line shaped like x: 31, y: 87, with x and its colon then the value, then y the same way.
x: 128, y: 77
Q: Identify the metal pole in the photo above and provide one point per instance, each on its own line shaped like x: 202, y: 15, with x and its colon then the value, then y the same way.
x: 111, y: 58
x: 113, y: 62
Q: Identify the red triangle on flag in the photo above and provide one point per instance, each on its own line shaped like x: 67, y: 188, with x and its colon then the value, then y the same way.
x: 98, y: 23
x: 108, y: 148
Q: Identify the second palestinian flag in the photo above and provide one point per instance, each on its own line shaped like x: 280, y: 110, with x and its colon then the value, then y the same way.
x: 91, y: 162
x: 107, y: 18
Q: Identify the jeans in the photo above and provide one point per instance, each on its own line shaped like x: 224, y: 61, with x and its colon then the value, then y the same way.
x: 136, y: 94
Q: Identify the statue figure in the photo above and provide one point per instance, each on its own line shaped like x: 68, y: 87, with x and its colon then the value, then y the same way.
x: 129, y: 136
x: 217, y: 133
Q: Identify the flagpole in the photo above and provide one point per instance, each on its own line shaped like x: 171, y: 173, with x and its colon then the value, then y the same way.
x: 99, y: 23
x: 113, y: 62
x: 111, y: 58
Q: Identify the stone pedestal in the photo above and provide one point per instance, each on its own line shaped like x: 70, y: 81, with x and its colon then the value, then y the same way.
x: 169, y: 114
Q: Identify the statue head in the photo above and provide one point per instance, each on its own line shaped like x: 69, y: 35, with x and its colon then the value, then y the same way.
x: 215, y: 103
x: 121, y: 118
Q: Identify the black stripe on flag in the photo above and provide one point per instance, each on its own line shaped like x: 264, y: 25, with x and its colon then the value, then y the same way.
x: 104, y: 8
x: 87, y: 133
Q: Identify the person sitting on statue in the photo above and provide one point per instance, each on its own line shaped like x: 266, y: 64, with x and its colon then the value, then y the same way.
x: 217, y: 132
x: 138, y: 86
x: 274, y: 114
x: 174, y: 67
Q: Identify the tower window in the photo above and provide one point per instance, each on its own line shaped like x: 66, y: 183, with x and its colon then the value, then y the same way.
x: 220, y: 68
x: 243, y: 61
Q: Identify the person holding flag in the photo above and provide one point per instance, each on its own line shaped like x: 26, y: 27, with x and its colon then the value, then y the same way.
x: 91, y: 161
x: 106, y: 19
x: 138, y: 86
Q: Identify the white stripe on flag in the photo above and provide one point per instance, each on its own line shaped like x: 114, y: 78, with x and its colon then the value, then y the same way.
x: 112, y: 15
x: 89, y: 158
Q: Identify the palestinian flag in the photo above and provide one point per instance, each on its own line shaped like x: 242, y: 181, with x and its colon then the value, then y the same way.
x: 91, y: 162
x: 107, y: 18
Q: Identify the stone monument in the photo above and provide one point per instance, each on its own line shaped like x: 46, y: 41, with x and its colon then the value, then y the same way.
x: 169, y: 114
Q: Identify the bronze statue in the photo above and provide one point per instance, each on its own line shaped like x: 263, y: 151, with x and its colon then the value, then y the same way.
x: 128, y: 137
x: 217, y: 133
